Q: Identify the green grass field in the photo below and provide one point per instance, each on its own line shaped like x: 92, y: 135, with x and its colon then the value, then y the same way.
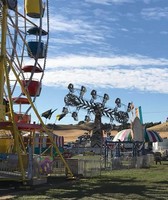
x: 137, y: 184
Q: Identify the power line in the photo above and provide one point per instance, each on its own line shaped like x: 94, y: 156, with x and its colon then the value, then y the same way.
x: 155, y: 112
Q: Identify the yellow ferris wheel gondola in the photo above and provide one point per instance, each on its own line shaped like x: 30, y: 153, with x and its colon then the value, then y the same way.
x: 34, y: 8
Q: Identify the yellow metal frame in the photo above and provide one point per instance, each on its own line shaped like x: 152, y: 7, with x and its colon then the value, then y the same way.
x: 4, y: 61
x: 4, y: 72
x: 40, y: 120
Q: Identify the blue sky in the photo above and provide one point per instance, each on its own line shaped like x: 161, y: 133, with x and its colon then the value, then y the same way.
x: 118, y: 47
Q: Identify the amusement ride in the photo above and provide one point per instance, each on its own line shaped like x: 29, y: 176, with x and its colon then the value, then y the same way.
x: 96, y: 106
x: 24, y: 34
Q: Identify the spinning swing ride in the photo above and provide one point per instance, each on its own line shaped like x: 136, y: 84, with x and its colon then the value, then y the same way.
x: 24, y: 37
x: 96, y: 107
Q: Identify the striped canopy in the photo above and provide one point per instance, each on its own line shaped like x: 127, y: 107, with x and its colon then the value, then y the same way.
x: 152, y: 136
x: 124, y: 135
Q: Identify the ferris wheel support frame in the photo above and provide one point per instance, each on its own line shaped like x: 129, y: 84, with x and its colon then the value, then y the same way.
x: 5, y: 63
x: 4, y: 74
x: 70, y: 174
x: 2, y: 60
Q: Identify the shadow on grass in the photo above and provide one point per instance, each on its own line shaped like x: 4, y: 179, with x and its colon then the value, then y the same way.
x: 97, y: 188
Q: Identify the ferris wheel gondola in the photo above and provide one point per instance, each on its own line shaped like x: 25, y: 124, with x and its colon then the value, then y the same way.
x: 26, y: 47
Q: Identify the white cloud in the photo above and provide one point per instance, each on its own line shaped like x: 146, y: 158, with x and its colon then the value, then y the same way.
x: 140, y: 79
x: 103, y: 62
x: 155, y: 13
x: 76, y: 30
x: 117, y: 71
x: 108, y: 73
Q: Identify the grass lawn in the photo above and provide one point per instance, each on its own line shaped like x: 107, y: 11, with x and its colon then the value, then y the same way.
x: 127, y: 184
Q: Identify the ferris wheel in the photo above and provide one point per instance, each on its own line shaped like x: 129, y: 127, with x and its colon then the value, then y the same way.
x: 24, y: 37
x: 24, y: 42
x: 23, y: 51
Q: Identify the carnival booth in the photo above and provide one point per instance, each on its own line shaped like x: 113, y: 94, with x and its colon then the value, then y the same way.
x: 42, y: 144
x: 124, y: 142
x: 151, y: 138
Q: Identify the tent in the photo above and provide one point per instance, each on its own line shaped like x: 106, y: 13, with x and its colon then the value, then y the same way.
x: 152, y: 136
x: 124, y: 135
x: 128, y: 135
